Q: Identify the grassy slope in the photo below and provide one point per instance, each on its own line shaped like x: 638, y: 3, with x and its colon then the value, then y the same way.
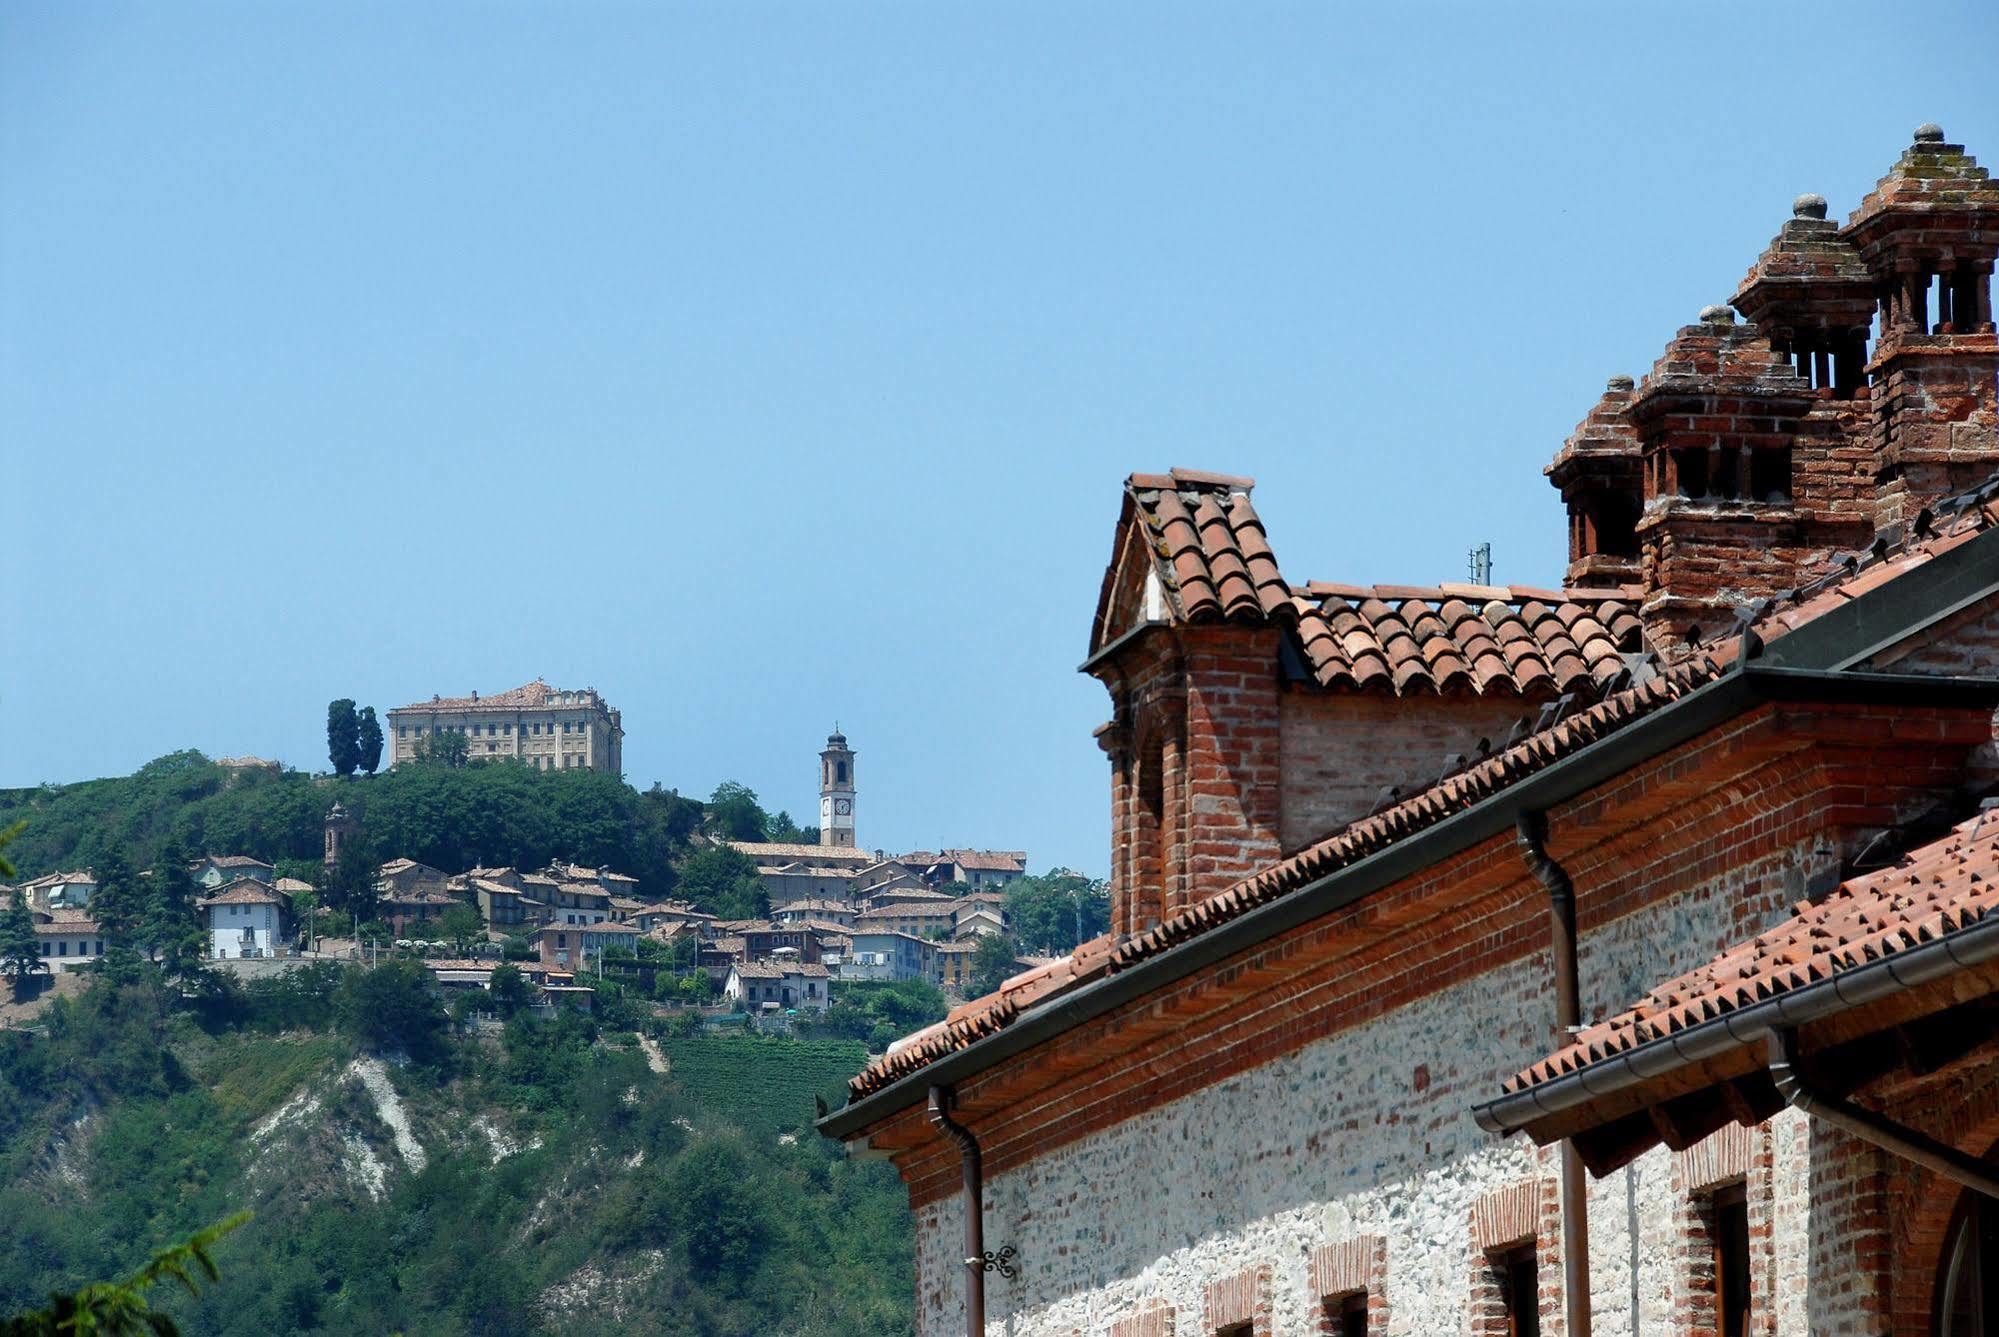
x: 565, y: 1187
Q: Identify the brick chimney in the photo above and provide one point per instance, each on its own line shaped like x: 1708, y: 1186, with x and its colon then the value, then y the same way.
x: 1598, y: 473
x: 1928, y: 234
x: 1718, y: 421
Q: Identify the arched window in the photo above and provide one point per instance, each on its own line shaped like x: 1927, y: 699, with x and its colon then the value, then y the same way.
x: 1968, y: 1271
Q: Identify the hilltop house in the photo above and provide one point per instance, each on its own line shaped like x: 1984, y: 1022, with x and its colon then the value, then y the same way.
x: 788, y: 985
x: 889, y: 955
x: 58, y: 891
x: 68, y: 939
x: 1621, y: 957
x: 574, y: 946
x: 246, y: 918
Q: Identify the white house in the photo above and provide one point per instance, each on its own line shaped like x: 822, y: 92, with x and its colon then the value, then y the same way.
x: 58, y: 891
x: 67, y: 940
x: 246, y: 918
x: 777, y: 985
x: 889, y: 956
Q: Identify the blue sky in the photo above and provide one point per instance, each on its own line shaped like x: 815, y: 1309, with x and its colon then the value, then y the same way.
x: 763, y: 365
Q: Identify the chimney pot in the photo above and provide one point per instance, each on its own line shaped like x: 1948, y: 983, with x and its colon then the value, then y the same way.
x: 1929, y: 132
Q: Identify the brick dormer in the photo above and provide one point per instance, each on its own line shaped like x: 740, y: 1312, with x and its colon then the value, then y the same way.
x: 1251, y: 716
x: 1928, y: 234
x: 1598, y: 473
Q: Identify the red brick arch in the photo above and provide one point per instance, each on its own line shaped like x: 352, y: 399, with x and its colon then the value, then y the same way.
x: 1929, y: 1209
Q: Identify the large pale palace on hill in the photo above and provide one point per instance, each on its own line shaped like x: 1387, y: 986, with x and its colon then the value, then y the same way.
x: 547, y: 727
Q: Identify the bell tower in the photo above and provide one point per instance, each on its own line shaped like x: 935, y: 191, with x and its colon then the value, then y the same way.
x: 836, y: 792
x: 340, y: 825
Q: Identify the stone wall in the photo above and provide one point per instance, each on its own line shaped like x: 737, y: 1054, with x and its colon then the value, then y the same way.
x: 1369, y: 1133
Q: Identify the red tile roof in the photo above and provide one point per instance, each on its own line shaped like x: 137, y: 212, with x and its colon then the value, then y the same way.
x: 1215, y: 560
x: 988, y: 861
x: 529, y: 696
x: 244, y: 891
x: 1480, y: 639
x: 1934, y: 891
x: 1213, y: 554
x: 773, y: 970
x: 1951, y: 523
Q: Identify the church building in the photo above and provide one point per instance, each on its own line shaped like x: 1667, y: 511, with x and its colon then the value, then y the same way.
x: 1614, y: 958
x: 793, y: 873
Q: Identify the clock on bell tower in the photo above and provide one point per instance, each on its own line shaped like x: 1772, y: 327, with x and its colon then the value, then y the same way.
x: 836, y: 792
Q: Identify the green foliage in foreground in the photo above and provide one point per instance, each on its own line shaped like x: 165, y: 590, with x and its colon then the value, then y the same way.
x: 125, y: 1308
x: 567, y: 1188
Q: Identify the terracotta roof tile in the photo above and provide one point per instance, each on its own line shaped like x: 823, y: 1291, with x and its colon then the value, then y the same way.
x: 63, y: 928
x: 1214, y: 555
x: 1400, y: 639
x: 1945, y: 525
x: 244, y: 891
x: 535, y: 695
x: 1934, y: 891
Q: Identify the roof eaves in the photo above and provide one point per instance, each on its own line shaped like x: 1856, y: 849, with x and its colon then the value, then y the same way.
x: 1679, y: 721
x: 1897, y: 973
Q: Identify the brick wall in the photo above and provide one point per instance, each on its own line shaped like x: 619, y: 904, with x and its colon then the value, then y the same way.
x: 1364, y: 1133
x: 1339, y: 751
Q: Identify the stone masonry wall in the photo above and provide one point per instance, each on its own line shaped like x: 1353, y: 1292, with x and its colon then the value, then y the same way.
x: 1369, y: 1133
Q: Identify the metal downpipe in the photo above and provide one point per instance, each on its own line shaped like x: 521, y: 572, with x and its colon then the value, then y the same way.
x: 941, y: 1098
x: 1868, y: 1126
x: 1532, y: 830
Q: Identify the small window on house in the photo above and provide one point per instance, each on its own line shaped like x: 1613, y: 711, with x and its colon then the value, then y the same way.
x: 1729, y: 1222
x: 1520, y: 1284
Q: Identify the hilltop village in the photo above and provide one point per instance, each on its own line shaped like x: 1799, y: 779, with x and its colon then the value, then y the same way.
x: 829, y: 911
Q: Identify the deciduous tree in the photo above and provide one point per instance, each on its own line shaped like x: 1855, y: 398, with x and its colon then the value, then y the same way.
x: 1057, y: 910
x: 992, y: 964
x: 447, y: 748
x: 461, y: 924
x: 735, y: 814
